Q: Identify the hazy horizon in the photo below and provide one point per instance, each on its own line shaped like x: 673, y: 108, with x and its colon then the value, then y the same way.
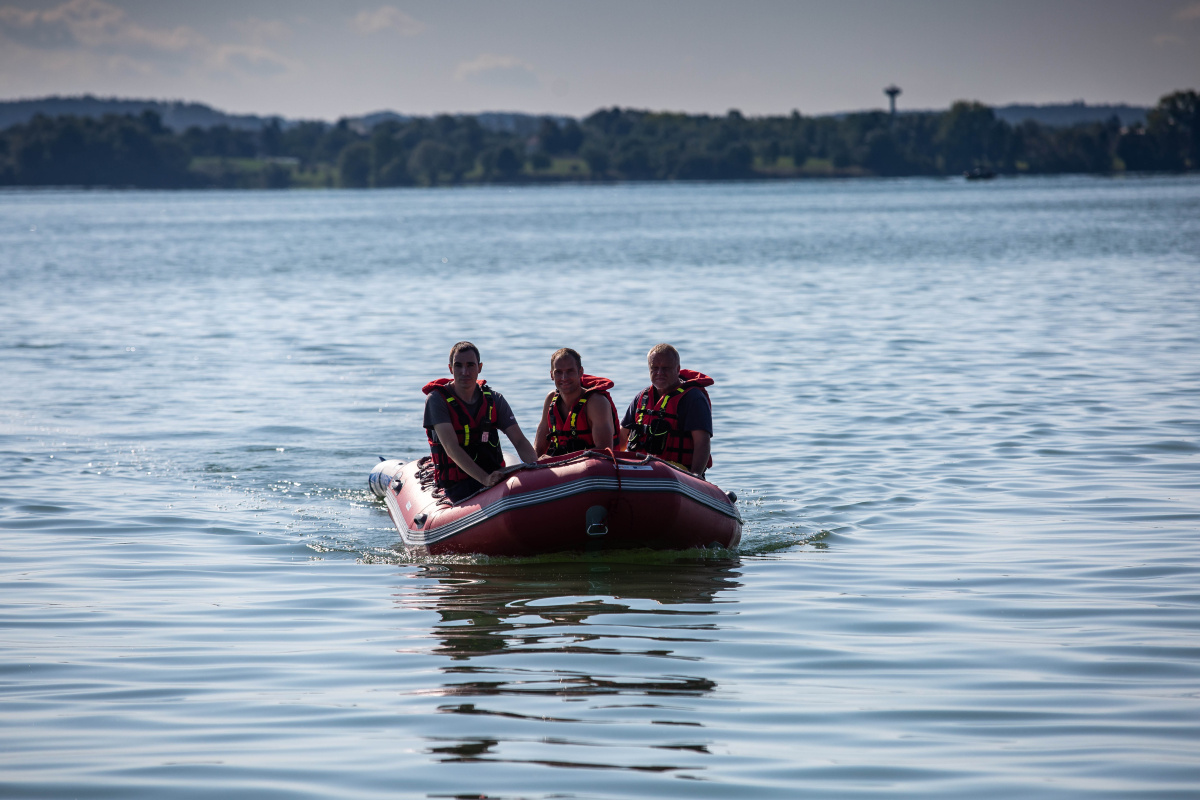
x: 314, y: 61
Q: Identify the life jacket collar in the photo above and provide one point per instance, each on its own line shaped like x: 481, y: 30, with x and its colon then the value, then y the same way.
x: 689, y: 377
x: 446, y: 383
x: 591, y: 383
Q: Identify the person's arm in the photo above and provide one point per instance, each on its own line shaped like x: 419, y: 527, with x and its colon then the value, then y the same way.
x: 449, y: 441
x: 695, y: 420
x: 541, y: 439
x: 600, y: 421
x: 701, y: 447
x: 624, y: 431
x: 524, y: 448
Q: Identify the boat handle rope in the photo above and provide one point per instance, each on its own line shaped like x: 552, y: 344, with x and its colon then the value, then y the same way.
x: 617, y: 457
x: 616, y: 467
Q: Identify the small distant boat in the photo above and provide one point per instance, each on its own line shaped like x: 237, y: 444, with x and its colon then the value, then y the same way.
x: 582, y: 501
x: 979, y: 174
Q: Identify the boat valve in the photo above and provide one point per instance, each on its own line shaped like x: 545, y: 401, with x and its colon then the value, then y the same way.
x: 596, y: 515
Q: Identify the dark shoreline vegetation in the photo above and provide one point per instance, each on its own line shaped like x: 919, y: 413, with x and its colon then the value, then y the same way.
x: 614, y: 144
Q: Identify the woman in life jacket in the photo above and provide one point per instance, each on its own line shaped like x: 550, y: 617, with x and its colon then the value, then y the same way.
x: 672, y: 417
x: 463, y: 419
x: 579, y: 414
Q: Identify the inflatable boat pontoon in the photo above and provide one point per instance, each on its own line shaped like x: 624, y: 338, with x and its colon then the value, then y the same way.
x: 582, y: 501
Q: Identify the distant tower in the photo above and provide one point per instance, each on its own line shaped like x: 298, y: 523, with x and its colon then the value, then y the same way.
x: 891, y: 92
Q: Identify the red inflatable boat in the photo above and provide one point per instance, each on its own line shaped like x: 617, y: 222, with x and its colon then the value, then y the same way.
x: 583, y: 501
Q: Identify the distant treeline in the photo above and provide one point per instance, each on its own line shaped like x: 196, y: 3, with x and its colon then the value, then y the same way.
x: 614, y: 144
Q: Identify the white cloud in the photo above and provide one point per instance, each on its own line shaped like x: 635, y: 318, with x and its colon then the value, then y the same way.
x: 124, y: 66
x: 386, y: 18
x: 1189, y: 13
x: 497, y: 71
x: 94, y: 37
x: 92, y: 25
x: 248, y: 60
x: 1167, y: 40
x: 263, y: 30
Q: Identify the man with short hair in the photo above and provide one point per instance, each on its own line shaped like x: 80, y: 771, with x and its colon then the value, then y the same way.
x: 579, y: 414
x: 672, y: 417
x: 463, y: 418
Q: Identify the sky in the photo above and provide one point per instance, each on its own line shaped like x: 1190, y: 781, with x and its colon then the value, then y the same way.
x: 324, y: 60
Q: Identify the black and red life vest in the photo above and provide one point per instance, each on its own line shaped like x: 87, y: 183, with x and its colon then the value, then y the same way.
x: 571, y: 432
x: 656, y: 422
x: 476, y: 434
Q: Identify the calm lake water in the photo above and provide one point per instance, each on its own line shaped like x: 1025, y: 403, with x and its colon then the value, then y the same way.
x: 963, y: 419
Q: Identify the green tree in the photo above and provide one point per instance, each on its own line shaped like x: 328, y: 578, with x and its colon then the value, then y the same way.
x: 301, y: 141
x: 597, y: 160
x: 429, y: 160
x: 507, y: 163
x: 550, y: 136
x: 800, y: 152
x: 394, y: 173
x: 354, y: 166
x: 270, y: 139
x: 737, y: 160
x: 464, y: 161
x: 116, y: 150
x: 389, y: 155
x: 883, y: 155
x: 1142, y: 152
x: 964, y: 136
x: 633, y: 160
x: 335, y: 140
x: 770, y: 152
x: 1175, y: 123
x: 221, y: 141
x: 572, y: 137
x: 696, y: 167
x: 276, y: 176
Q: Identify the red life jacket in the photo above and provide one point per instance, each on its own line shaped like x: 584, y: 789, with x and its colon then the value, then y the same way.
x: 571, y: 432
x: 477, y: 435
x: 656, y: 422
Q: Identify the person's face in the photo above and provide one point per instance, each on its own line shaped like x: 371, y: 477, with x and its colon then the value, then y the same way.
x: 664, y: 371
x: 465, y: 368
x: 565, y: 374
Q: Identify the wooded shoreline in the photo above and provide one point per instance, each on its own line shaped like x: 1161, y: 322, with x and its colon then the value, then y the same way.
x: 138, y: 151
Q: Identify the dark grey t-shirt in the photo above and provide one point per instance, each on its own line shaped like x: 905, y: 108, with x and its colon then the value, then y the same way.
x: 436, y: 410
x: 695, y: 414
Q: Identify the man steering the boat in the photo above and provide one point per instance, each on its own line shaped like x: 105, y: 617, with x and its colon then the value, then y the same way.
x: 579, y: 414
x: 463, y: 419
x: 672, y: 417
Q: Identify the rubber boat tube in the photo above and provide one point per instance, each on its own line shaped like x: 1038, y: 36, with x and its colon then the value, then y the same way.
x: 583, y: 501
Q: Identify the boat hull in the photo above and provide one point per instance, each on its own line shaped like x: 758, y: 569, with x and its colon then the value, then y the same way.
x: 585, y: 501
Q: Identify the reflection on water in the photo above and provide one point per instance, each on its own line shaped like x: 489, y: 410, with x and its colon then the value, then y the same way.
x: 489, y: 609
x: 525, y: 639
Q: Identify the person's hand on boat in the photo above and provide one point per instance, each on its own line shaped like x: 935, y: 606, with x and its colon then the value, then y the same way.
x: 495, y: 477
